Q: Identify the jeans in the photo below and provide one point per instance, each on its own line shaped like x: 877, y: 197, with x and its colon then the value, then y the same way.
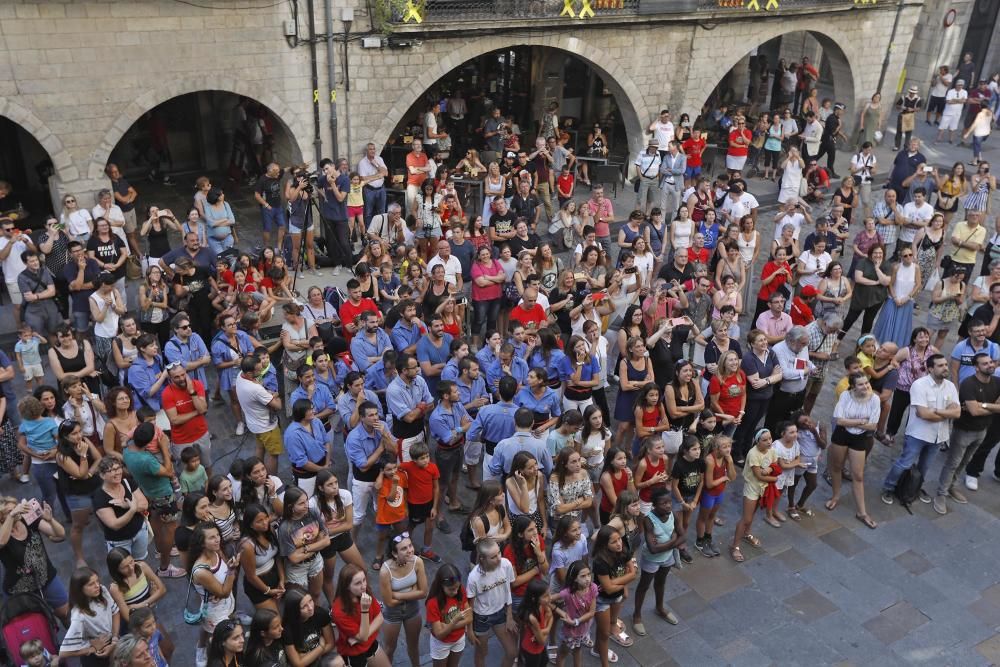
x: 978, y: 461
x: 484, y: 312
x: 43, y: 474
x: 218, y: 245
x: 977, y: 145
x: 137, y: 546
x: 919, y: 452
x: 374, y: 202
x: 963, y: 445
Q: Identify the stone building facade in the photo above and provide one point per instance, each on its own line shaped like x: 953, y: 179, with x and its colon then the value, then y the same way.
x: 77, y: 75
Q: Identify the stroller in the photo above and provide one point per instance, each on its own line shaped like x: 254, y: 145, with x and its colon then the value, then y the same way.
x: 26, y: 616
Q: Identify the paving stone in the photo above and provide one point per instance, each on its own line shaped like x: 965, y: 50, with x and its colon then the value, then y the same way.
x: 884, y: 629
x: 845, y: 542
x: 689, y: 648
x: 793, y: 560
x: 715, y: 577
x: 688, y: 605
x: 906, y: 616
x: 990, y: 649
x: 986, y: 611
x: 913, y: 562
x: 852, y: 641
x: 791, y: 652
x: 810, y: 605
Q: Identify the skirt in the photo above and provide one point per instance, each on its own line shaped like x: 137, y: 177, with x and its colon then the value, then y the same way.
x: 894, y: 323
x: 624, y: 406
x: 10, y: 456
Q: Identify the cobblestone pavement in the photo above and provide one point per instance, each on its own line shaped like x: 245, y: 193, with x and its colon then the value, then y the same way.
x: 921, y: 589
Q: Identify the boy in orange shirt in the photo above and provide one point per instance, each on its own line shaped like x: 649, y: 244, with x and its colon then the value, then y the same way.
x: 424, y: 495
x: 390, y: 507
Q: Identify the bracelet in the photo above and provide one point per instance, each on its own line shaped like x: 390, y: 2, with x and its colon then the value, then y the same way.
x: 268, y: 591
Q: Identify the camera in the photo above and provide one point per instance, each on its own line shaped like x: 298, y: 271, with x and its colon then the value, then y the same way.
x: 307, y: 180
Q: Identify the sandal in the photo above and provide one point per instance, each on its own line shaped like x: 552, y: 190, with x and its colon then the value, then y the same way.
x: 588, y: 641
x: 793, y: 514
x: 831, y: 504
x: 719, y: 522
x: 639, y: 629
x: 736, y: 554
x: 612, y: 656
x: 620, y: 625
x: 805, y: 510
x: 377, y: 563
x: 771, y: 521
x: 622, y: 639
x: 867, y: 520
x: 667, y: 616
x: 753, y: 541
x: 780, y: 516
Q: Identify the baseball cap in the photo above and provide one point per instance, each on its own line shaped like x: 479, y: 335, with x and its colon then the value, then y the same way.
x: 809, y: 290
x: 510, y: 154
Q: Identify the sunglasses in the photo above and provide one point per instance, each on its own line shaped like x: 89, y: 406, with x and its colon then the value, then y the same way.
x: 402, y: 536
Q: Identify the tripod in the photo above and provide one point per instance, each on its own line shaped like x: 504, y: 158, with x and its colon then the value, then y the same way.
x: 312, y: 202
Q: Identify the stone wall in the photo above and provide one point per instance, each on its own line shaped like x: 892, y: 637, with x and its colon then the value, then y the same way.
x: 76, y: 75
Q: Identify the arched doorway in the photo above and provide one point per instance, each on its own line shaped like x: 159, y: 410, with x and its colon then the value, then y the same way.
x: 26, y: 169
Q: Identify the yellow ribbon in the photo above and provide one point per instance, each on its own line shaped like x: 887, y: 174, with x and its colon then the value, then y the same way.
x: 568, y: 9
x: 753, y: 5
x: 771, y: 4
x: 586, y: 10
x: 412, y: 12
x: 316, y: 96
x: 333, y: 96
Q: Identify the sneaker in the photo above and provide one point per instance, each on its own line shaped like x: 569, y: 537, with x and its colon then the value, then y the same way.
x: 316, y: 272
x: 939, y: 505
x: 971, y: 483
x: 702, y: 546
x: 887, y: 498
x: 924, y: 498
x: 715, y: 549
x: 174, y: 553
x: 444, y: 526
x: 172, y: 572
x: 686, y: 556
x: 958, y: 496
x: 336, y: 270
x: 24, y: 479
x: 241, y: 428
x: 429, y: 554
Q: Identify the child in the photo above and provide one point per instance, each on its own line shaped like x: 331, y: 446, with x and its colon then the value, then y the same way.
x: 688, y: 476
x: 142, y: 623
x: 756, y: 476
x: 37, y: 440
x: 615, y: 478
x: 268, y: 376
x: 787, y: 450
x: 566, y: 429
x: 812, y: 441
x: 657, y: 556
x: 719, y: 471
x: 388, y: 283
x: 535, y: 616
x: 356, y: 209
x: 29, y: 359
x: 579, y: 600
x: 390, y: 507
x: 34, y: 654
x: 159, y: 446
x: 448, y: 614
x: 424, y: 495
x: 852, y: 365
x: 651, y: 472
x: 565, y: 184
x: 708, y: 425
x: 193, y: 476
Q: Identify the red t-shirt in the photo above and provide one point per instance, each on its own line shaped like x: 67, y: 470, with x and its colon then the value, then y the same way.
x: 413, y: 160
x: 565, y: 184
x: 765, y: 292
x: 529, y: 562
x: 348, y: 625
x: 735, y: 149
x: 529, y: 644
x: 193, y: 428
x: 348, y: 311
x: 452, y: 608
x: 693, y: 148
x: 536, y: 315
x: 730, y: 391
x: 801, y: 313
x: 422, y: 481
x: 701, y: 256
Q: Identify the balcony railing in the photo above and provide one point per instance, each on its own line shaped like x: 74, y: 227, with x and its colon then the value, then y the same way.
x: 417, y: 11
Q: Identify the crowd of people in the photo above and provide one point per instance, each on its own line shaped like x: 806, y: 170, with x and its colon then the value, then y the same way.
x: 600, y: 390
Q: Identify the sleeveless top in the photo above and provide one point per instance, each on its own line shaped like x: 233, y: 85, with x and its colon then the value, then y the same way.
x: 948, y: 310
x: 263, y: 557
x: 630, y: 234
x: 597, y: 144
x: 228, y: 528
x: 651, y: 418
x: 906, y: 278
x: 493, y: 188
x: 913, y: 368
x: 220, y: 571
x: 159, y: 243
x: 618, y: 485
x: 718, y: 473
x: 138, y: 592
x: 682, y: 424
x: 746, y: 247
x: 71, y: 364
x: 703, y: 201
x: 78, y: 487
x: 532, y: 501
x: 631, y: 539
x: 927, y: 243
x: 406, y: 582
x: 663, y: 530
x: 646, y: 494
x: 684, y: 230
x: 657, y: 236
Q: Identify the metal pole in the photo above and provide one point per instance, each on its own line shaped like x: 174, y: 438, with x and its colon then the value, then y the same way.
x: 347, y: 86
x: 331, y: 75
x: 317, y: 140
x: 888, y: 49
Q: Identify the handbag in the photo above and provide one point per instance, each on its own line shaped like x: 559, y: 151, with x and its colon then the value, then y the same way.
x: 195, y: 617
x: 133, y: 268
x: 510, y: 293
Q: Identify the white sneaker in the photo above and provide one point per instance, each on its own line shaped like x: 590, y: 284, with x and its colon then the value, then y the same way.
x: 971, y: 483
x: 336, y: 270
x: 316, y: 272
x: 201, y: 656
x: 240, y: 428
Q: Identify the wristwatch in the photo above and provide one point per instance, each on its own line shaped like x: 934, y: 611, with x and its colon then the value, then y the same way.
x: 983, y: 406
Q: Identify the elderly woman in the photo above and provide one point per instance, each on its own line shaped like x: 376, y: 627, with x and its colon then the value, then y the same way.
x: 221, y: 221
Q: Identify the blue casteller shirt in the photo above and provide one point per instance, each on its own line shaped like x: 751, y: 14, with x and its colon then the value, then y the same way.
x: 427, y: 351
x: 518, y: 370
x: 548, y: 404
x: 444, y: 423
x: 375, y: 378
x: 507, y: 448
x: 402, y: 397
x: 361, y: 444
x: 470, y: 392
x: 404, y: 335
x: 567, y: 367
x: 485, y: 357
x: 362, y: 348
x: 321, y: 398
x: 450, y: 370
x: 193, y: 350
x: 346, y: 405
x: 304, y: 447
x: 493, y: 423
x: 552, y: 367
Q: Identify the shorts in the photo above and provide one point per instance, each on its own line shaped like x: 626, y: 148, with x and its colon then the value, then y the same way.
x: 137, y: 545
x: 355, y: 211
x: 15, y: 293
x: 651, y: 567
x: 33, y: 371
x: 300, y: 573
x: 204, y: 445
x: 858, y: 443
x: 167, y: 508
x: 692, y: 172
x: 272, y: 218
x: 271, y: 441
x: 440, y: 650
x: 401, y: 613
x: 935, y: 104
x: 708, y: 501
x: 338, y: 543
x: 295, y: 229
x: 362, y: 659
x: 949, y: 121
x: 419, y: 512
x: 256, y: 596
x: 678, y: 506
x: 735, y: 162
x: 481, y: 624
x: 77, y: 503
x: 604, y: 603
x: 594, y: 472
x: 131, y: 223
x: 432, y: 233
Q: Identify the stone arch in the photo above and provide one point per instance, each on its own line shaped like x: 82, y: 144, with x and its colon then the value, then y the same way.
x: 147, y: 101
x: 631, y: 101
x: 724, y: 60
x: 62, y: 161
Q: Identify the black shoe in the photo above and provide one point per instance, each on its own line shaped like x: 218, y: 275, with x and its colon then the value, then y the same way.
x: 834, y: 174
x: 686, y: 557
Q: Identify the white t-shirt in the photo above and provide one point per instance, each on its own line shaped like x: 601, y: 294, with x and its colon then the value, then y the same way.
x: 109, y: 327
x: 864, y: 165
x: 345, y: 499
x: 954, y: 109
x: 913, y: 212
x: 795, y: 220
x: 254, y: 398
x: 813, y: 262
x: 490, y: 591
x: 452, y: 268
x: 12, y: 266
x: 925, y: 392
x: 941, y: 85
x: 76, y: 222
x: 663, y: 133
x: 430, y: 126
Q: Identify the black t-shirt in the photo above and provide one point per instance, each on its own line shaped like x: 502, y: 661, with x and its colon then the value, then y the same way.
x: 102, y: 500
x: 182, y: 538
x: 971, y: 389
x: 198, y: 283
x: 984, y: 313
x: 562, y: 316
x: 831, y: 127
x: 669, y: 273
x: 270, y: 189
x: 613, y: 570
x: 108, y: 252
x: 688, y: 475
x: 26, y: 564
x: 663, y: 363
x: 503, y: 223
x: 524, y: 207
x: 121, y: 187
x: 306, y: 636
x: 517, y: 244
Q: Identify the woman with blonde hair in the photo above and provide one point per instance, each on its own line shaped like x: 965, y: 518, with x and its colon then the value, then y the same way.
x: 727, y: 392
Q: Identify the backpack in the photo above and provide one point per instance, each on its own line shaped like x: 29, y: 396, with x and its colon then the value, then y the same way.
x: 907, y: 489
x: 466, y: 537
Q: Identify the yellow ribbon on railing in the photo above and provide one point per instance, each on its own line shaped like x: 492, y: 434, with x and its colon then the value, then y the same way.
x: 568, y: 9
x: 771, y: 4
x: 753, y: 5
x: 412, y: 12
x: 865, y: 2
x: 586, y: 9
x: 315, y: 96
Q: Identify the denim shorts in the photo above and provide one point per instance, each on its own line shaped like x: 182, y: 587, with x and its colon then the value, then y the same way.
x: 76, y: 503
x: 400, y: 613
x: 483, y: 624
x: 138, y: 545
x: 603, y: 603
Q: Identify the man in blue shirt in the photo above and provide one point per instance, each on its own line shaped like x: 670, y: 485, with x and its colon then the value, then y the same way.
x: 201, y: 257
x: 366, y: 445
x: 449, y: 423
x: 507, y: 364
x: 963, y: 354
x: 187, y: 348
x: 146, y: 375
x: 408, y: 329
x: 473, y: 395
x: 521, y: 441
x: 369, y: 344
x: 349, y: 401
x: 336, y: 184
x: 495, y: 422
x: 432, y: 352
x: 409, y: 401
x: 380, y: 374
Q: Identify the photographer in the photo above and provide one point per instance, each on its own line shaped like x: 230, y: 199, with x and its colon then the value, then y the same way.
x: 333, y: 210
x: 298, y: 191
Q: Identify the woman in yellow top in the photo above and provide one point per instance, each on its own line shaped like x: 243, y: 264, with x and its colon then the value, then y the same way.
x: 756, y: 476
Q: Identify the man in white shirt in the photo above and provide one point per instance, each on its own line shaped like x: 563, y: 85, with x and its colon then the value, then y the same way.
x: 794, y: 214
x: 812, y: 136
x: 373, y: 172
x: 452, y: 267
x: 107, y: 208
x: 388, y: 227
x: 954, y: 102
x: 11, y: 247
x: 793, y: 357
x: 863, y: 167
x: 916, y: 215
x: 260, y: 412
x: 647, y: 170
x: 431, y: 134
x: 933, y: 404
x: 663, y: 132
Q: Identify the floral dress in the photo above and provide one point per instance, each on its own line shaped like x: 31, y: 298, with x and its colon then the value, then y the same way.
x: 572, y: 490
x: 947, y: 311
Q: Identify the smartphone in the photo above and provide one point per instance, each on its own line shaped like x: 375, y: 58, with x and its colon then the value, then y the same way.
x: 631, y: 269
x: 33, y: 513
x: 678, y: 322
x: 599, y: 296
